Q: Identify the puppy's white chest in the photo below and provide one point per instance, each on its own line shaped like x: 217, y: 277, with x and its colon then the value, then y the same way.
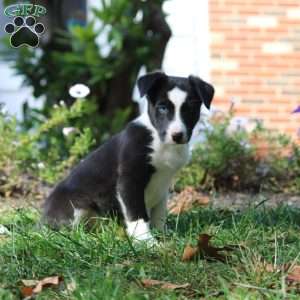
x: 170, y: 157
x: 166, y: 160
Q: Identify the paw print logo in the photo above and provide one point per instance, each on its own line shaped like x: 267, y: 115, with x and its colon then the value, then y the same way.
x: 24, y: 31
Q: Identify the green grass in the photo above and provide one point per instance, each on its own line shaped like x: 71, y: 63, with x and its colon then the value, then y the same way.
x: 104, y: 265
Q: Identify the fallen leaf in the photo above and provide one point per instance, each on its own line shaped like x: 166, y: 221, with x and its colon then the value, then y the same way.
x: 270, y: 268
x: 294, y: 274
x: 205, y: 250
x: 208, y: 251
x: 189, y: 253
x: 186, y: 200
x: 29, y: 282
x: 26, y: 291
x: 33, y: 287
x: 163, y: 284
x: 46, y: 282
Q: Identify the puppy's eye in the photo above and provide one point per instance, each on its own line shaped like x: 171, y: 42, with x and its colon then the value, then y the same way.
x: 162, y: 109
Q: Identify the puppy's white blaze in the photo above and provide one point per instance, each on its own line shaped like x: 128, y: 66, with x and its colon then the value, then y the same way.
x: 177, y: 97
x: 139, y: 230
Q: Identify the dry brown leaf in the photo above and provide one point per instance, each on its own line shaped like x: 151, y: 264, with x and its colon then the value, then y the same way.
x: 46, y: 282
x: 262, y: 266
x: 189, y: 253
x: 186, y: 200
x: 294, y: 274
x: 32, y: 287
x: 26, y: 291
x: 205, y: 250
x: 172, y: 286
x: 29, y: 282
x: 163, y: 284
x: 270, y: 268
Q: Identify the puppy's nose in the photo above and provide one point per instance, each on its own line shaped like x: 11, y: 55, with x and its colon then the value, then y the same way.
x: 177, y: 137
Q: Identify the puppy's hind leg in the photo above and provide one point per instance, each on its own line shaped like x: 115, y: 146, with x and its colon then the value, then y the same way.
x: 80, y: 214
x: 58, y: 210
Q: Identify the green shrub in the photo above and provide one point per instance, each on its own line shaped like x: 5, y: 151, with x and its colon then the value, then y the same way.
x: 230, y: 161
x: 224, y: 159
x: 40, y: 152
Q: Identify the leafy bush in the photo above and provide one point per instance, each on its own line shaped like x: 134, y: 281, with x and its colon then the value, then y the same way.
x: 222, y: 160
x: 233, y: 161
x: 279, y: 159
x: 39, y: 152
x: 225, y: 161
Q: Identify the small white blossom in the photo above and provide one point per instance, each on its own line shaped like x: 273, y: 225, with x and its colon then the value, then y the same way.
x: 62, y: 103
x: 4, y: 230
x: 43, y: 82
x: 3, y: 110
x: 41, y: 165
x: 138, y: 17
x: 55, y: 106
x: 68, y: 130
x: 79, y: 90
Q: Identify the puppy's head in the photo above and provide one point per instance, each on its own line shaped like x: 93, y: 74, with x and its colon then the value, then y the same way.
x: 174, y: 104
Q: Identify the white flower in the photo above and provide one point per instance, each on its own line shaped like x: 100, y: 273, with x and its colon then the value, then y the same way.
x: 3, y: 109
x: 68, y: 130
x: 61, y: 102
x: 41, y: 165
x: 138, y: 17
x: 43, y: 82
x: 4, y: 230
x: 79, y: 90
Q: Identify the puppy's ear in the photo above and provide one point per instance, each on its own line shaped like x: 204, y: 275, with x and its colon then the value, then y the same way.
x: 149, y: 81
x: 204, y: 91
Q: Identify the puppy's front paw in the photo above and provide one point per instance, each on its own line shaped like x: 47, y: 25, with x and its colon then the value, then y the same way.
x: 149, y: 241
x: 139, y: 231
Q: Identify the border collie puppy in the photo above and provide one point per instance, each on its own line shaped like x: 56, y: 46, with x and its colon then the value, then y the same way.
x: 131, y: 173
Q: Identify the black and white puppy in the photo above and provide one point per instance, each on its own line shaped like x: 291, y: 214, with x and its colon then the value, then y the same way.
x: 131, y: 173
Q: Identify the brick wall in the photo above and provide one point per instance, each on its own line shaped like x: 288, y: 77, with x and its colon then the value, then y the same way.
x: 255, y: 59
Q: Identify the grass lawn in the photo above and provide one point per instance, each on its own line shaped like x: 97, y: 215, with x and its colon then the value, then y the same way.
x: 103, y: 264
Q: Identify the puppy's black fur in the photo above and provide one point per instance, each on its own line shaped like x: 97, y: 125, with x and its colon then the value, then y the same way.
x: 92, y: 184
x: 124, y: 174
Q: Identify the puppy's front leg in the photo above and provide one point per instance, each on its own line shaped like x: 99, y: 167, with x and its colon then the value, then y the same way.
x: 159, y: 214
x: 130, y: 194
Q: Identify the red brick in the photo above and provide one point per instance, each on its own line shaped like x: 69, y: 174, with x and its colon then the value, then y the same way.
x: 267, y: 110
x: 266, y: 84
